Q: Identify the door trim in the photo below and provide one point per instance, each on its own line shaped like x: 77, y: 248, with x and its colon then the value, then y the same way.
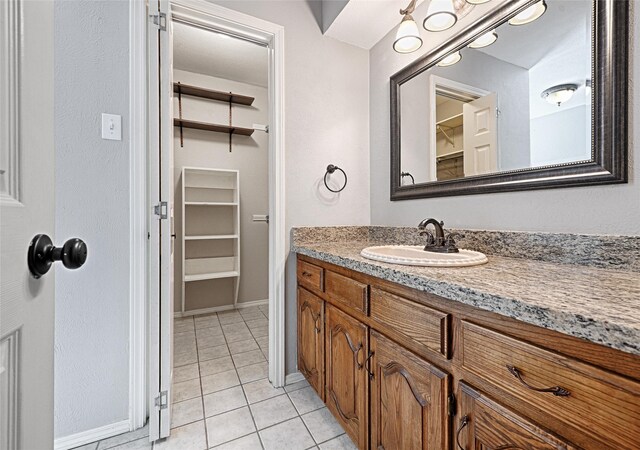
x: 137, y: 214
x: 271, y: 35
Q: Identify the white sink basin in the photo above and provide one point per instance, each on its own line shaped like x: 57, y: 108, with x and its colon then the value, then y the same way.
x: 414, y: 255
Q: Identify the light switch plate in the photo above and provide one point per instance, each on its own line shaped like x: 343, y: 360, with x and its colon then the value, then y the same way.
x: 112, y: 127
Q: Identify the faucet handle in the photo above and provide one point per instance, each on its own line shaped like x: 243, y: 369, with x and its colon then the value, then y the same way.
x: 430, y: 238
x: 450, y: 241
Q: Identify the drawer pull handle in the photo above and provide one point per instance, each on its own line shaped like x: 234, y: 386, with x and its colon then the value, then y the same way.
x: 307, y: 274
x: 315, y: 323
x: 555, y: 390
x: 360, y: 366
x: 463, y: 423
x: 367, y: 364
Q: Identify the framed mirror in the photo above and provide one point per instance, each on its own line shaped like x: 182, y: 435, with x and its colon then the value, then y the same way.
x: 532, y: 96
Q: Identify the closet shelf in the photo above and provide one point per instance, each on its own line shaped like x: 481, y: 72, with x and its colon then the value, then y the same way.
x: 199, y: 269
x: 196, y: 91
x: 212, y: 127
x: 211, y: 203
x: 454, y: 154
x: 210, y: 237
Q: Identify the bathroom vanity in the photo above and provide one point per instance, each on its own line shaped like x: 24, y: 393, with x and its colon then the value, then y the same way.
x: 514, y: 354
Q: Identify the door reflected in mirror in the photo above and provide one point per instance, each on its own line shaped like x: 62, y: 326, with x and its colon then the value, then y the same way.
x: 520, y: 100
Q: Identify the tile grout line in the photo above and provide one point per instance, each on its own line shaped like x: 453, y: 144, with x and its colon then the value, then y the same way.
x: 204, y: 419
x: 255, y: 425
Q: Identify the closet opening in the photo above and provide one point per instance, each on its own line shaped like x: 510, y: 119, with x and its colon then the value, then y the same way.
x: 218, y: 321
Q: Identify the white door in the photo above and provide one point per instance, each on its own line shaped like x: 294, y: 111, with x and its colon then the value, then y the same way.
x: 480, y: 135
x: 26, y: 209
x: 161, y: 201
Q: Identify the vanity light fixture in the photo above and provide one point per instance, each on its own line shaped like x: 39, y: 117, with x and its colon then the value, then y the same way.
x: 450, y: 60
x: 530, y: 14
x: 559, y: 94
x: 485, y: 40
x: 441, y: 16
x: 408, y: 36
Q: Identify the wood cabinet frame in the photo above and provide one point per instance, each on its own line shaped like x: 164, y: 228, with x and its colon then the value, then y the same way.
x: 619, y: 370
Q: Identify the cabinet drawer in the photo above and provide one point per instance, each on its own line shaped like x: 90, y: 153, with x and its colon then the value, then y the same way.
x: 595, y: 406
x: 429, y: 328
x: 347, y: 291
x: 310, y: 275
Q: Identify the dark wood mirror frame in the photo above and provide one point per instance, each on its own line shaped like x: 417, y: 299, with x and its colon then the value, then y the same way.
x: 609, y: 115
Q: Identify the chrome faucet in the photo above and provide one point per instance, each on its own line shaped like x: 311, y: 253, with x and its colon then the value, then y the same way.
x: 440, y: 243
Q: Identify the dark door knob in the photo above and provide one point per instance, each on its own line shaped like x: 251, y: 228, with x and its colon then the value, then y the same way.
x: 42, y: 254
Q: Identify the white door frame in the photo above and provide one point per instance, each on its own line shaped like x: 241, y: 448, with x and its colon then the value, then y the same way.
x: 434, y: 82
x: 205, y: 14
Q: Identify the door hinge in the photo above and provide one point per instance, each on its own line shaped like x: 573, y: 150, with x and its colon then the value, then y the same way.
x: 451, y: 405
x: 162, y: 400
x: 160, y: 210
x: 159, y: 20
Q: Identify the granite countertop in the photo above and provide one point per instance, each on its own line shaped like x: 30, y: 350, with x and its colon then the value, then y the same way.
x: 592, y: 303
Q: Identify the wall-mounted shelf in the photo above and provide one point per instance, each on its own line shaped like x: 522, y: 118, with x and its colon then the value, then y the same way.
x: 209, y: 94
x: 212, y: 127
x: 195, y: 91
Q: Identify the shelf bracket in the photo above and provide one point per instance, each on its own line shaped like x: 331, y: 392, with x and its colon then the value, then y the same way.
x: 446, y: 136
x: 180, y: 112
x: 231, y: 131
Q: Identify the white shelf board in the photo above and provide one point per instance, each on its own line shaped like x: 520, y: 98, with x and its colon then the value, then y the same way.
x: 210, y: 268
x: 211, y: 203
x: 211, y: 276
x: 210, y: 237
x: 451, y: 122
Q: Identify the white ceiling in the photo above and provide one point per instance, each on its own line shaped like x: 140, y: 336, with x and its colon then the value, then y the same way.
x: 209, y: 53
x: 526, y: 45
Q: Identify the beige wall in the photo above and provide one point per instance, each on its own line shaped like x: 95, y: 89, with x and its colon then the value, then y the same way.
x: 250, y: 157
x: 326, y: 122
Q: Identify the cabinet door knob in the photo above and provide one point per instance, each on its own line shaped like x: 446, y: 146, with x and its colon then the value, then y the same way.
x: 42, y: 254
x: 555, y: 390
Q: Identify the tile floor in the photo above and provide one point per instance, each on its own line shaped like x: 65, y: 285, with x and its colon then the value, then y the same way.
x: 222, y: 398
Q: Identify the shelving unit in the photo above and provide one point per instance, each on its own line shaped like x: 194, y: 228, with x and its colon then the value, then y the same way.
x: 211, y: 222
x: 450, y: 165
x: 209, y: 94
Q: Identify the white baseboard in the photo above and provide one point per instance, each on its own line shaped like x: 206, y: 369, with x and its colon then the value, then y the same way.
x: 89, y: 436
x: 242, y: 305
x: 251, y: 304
x: 293, y: 378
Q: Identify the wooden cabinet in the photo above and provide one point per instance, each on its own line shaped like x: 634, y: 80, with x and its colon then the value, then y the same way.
x: 346, y: 390
x: 484, y: 424
x: 403, y: 369
x: 408, y: 400
x: 311, y: 339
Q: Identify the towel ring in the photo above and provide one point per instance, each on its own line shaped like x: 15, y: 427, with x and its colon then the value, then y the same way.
x: 407, y: 174
x: 330, y: 169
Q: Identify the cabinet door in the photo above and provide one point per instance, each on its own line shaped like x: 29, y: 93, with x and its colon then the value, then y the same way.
x: 311, y: 339
x: 408, y: 399
x: 485, y: 425
x: 346, y: 383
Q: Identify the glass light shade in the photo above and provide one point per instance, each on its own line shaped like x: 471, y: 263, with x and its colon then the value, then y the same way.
x: 477, y: 2
x: 450, y: 60
x: 408, y: 36
x: 441, y: 16
x: 485, y: 40
x: 530, y: 14
x: 559, y: 94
